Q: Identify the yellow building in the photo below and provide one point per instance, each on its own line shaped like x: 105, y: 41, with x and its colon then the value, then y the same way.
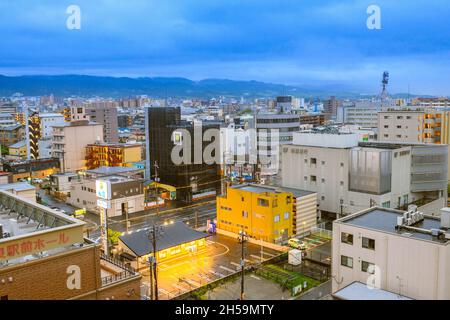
x: 262, y: 212
x: 18, y: 150
x: 112, y: 155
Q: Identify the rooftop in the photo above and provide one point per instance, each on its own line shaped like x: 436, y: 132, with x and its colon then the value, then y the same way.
x: 297, y: 192
x: 18, y: 186
x: 255, y: 188
x: 385, y: 220
x: 31, y: 230
x: 19, y: 144
x: 167, y: 236
x: 112, y: 170
x: 360, y: 291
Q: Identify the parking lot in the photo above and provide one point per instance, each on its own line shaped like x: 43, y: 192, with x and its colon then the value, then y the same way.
x: 220, y: 258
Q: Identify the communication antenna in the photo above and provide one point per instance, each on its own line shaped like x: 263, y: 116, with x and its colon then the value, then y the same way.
x: 384, y: 84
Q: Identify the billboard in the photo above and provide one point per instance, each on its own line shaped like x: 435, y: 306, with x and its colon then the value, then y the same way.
x: 103, y: 189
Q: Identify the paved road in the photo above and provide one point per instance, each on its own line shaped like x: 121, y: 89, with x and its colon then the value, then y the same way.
x: 196, y: 214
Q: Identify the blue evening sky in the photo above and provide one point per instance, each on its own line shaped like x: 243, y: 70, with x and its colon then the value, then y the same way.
x: 299, y: 42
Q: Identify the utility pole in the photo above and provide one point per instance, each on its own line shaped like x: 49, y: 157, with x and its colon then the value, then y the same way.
x: 155, y: 273
x: 196, y: 219
x: 152, y: 265
x: 156, y: 187
x: 242, y: 239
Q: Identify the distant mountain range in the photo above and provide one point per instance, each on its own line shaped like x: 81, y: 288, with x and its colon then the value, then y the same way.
x: 115, y: 87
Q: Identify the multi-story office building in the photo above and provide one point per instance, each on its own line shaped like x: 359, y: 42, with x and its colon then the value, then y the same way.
x: 112, y: 154
x: 422, y: 125
x: 360, y: 113
x: 392, y: 253
x: 193, y: 177
x: 7, y: 119
x: 273, y: 130
x: 315, y: 120
x: 34, y: 134
x: 44, y: 255
x: 70, y: 140
x: 330, y: 107
x: 349, y: 175
x: 262, y: 212
x: 107, y: 116
x: 431, y: 102
x: 127, y: 194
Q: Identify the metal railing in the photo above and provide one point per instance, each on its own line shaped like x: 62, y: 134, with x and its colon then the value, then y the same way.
x: 117, y: 263
x: 116, y: 277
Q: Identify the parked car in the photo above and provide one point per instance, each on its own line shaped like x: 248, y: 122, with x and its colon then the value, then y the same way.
x: 297, y: 244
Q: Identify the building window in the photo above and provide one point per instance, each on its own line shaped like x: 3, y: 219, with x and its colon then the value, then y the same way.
x: 263, y: 202
x: 4, y: 297
x: 342, y: 164
x: 286, y: 215
x: 347, y: 262
x: 276, y: 218
x: 368, y: 243
x: 245, y: 214
x: 386, y: 204
x: 342, y: 183
x: 242, y: 198
x: 323, y: 198
x: 305, y: 178
x: 323, y: 163
x: 346, y: 238
x: 313, y: 161
x: 313, y: 178
x: 367, y: 267
x: 323, y: 180
x: 274, y: 203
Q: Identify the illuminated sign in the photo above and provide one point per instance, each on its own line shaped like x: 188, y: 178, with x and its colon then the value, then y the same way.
x: 103, y: 189
x: 16, y: 247
x: 177, y: 138
x: 103, y: 204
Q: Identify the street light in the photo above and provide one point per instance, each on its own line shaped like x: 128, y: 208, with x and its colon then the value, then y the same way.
x: 242, y: 238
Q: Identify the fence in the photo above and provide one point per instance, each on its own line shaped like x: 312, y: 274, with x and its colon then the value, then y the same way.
x: 319, y: 230
x: 116, y: 277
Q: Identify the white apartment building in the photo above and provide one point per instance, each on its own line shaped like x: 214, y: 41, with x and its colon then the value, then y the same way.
x: 48, y: 121
x: 349, y: 176
x: 127, y: 195
x: 403, y: 253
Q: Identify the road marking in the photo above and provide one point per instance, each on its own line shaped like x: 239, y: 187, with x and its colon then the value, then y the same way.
x: 161, y: 290
x: 193, y: 283
x: 268, y: 254
x: 256, y: 257
x: 220, y: 275
x: 255, y: 277
x: 235, y: 264
x: 178, y: 287
x: 227, y: 269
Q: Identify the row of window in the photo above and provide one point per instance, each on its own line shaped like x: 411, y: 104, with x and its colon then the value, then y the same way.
x: 365, y: 266
x: 367, y: 243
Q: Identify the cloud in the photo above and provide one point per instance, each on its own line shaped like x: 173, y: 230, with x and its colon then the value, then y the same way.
x: 287, y: 41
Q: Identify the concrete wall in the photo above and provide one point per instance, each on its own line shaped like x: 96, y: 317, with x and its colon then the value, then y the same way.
x: 422, y: 266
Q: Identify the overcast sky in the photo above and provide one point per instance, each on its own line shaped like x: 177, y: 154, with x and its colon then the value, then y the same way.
x: 299, y: 42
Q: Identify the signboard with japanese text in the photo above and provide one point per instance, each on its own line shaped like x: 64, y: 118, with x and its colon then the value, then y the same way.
x: 103, y: 204
x: 104, y: 230
x: 28, y: 244
x: 103, y: 189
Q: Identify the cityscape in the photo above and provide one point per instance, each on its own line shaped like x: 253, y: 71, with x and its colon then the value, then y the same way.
x: 213, y: 178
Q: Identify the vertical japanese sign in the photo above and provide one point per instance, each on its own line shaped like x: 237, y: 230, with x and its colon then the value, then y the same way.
x: 104, y: 230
